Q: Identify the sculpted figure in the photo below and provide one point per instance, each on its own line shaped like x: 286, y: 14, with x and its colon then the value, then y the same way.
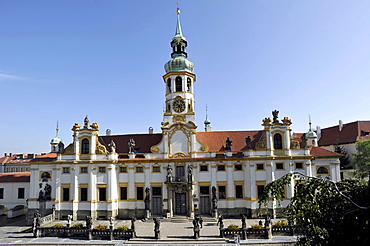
x: 86, y: 122
x: 228, y: 144
x: 131, y: 145
x: 112, y: 146
x: 275, y: 115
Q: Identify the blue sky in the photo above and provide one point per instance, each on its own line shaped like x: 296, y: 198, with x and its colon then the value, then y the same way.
x: 63, y: 60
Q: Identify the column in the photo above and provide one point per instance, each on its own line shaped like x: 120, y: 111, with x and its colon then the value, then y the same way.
x: 230, y: 185
x: 170, y: 200
x: 75, y: 193
x: 93, y: 192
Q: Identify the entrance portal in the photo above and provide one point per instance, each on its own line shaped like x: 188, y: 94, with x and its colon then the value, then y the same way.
x: 180, y: 203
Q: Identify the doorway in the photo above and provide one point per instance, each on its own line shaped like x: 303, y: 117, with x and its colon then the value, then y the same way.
x: 180, y: 203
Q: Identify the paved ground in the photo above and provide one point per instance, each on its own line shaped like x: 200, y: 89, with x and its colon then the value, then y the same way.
x: 17, y: 233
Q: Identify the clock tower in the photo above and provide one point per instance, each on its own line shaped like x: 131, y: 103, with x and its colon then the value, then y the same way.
x: 179, y: 80
x: 178, y: 126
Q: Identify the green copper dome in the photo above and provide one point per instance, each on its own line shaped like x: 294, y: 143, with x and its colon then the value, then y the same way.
x: 55, y: 141
x: 311, y: 134
x: 178, y: 64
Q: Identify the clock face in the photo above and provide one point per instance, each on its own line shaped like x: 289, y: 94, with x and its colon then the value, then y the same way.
x: 178, y: 106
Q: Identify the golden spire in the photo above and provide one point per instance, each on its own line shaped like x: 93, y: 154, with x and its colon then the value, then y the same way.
x: 178, y: 9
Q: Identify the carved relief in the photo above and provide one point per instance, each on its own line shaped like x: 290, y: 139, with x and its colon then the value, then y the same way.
x: 100, y: 149
x: 179, y: 118
x: 262, y: 144
x: 180, y: 154
x: 294, y: 144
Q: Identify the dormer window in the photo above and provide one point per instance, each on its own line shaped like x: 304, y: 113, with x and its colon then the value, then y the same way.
x: 278, y: 144
x: 178, y: 84
x: 85, y: 146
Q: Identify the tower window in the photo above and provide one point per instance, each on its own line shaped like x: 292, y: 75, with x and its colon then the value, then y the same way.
x: 189, y: 84
x: 85, y: 146
x: 278, y: 144
x: 178, y: 84
x: 169, y: 84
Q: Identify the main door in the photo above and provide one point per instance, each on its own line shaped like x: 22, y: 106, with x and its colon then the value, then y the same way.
x: 157, y: 200
x: 205, y: 202
x: 180, y: 203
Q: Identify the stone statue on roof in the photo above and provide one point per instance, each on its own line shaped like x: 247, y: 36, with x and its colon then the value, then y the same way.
x: 228, y: 144
x: 112, y: 146
x: 131, y: 146
x: 86, y: 122
x: 275, y: 115
x: 248, y: 141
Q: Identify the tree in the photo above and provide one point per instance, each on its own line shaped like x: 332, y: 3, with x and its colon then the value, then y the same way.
x: 361, y: 159
x: 324, y: 212
x: 345, y: 160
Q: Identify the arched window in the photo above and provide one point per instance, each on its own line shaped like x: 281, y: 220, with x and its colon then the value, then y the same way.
x: 169, y: 84
x: 278, y: 144
x: 189, y: 84
x: 178, y: 83
x: 85, y: 146
x: 322, y: 170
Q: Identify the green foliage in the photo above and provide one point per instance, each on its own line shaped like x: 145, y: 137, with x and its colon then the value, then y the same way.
x: 78, y: 225
x: 256, y: 227
x: 101, y: 227
x: 280, y: 224
x: 361, y: 159
x: 58, y: 225
x: 324, y: 212
x: 232, y: 227
x: 122, y: 228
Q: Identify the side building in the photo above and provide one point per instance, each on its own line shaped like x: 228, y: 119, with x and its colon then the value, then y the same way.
x: 179, y: 171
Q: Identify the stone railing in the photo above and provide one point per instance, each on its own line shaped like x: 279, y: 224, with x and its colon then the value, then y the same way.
x: 84, y: 232
x: 256, y: 233
x: 47, y: 218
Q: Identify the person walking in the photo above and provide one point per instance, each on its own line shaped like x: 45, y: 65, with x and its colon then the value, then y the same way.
x: 201, y: 222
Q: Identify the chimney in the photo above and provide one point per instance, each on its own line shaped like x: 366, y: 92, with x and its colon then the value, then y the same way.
x: 10, y: 154
x: 108, y: 132
x: 31, y: 156
x: 5, y: 154
x: 150, y: 129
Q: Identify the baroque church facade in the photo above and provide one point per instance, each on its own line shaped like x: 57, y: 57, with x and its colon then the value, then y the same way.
x: 180, y: 171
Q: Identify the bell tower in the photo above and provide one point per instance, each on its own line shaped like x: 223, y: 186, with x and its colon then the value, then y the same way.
x: 179, y: 80
x: 178, y: 126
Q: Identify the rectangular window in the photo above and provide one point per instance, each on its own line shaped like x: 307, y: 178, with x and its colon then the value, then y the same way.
x: 204, y: 190
x: 260, y: 189
x: 102, y: 194
x: 222, y: 192
x: 123, y: 169
x: 238, y: 191
x: 156, y: 169
x: 65, y: 170
x: 83, y: 194
x: 139, y: 169
x: 221, y: 168
x: 157, y: 191
x: 298, y: 165
x: 20, y: 193
x: 65, y: 194
x: 102, y: 169
x: 139, y: 193
x: 279, y: 166
x: 238, y: 167
x: 1, y: 193
x: 260, y: 167
x: 83, y: 170
x: 204, y: 168
x: 123, y: 193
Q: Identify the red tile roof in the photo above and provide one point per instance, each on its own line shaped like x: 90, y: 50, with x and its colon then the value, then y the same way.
x: 351, y: 133
x: 143, y: 142
x: 14, y: 159
x: 216, y: 141
x: 45, y: 158
x: 20, y: 177
x: 320, y: 152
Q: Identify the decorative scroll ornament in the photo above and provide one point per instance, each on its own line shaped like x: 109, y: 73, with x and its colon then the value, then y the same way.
x: 100, y: 149
x: 266, y: 121
x: 204, y: 148
x: 262, y: 144
x: 287, y: 121
x: 154, y: 150
x: 294, y: 144
x: 76, y: 127
x: 179, y: 118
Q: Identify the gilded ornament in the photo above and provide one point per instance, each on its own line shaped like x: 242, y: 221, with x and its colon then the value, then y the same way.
x: 76, y: 127
x: 154, y: 150
x: 294, y: 144
x: 179, y: 118
x: 266, y: 121
x: 204, y: 148
x: 287, y: 121
x: 262, y: 144
x: 95, y: 126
